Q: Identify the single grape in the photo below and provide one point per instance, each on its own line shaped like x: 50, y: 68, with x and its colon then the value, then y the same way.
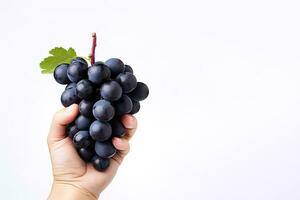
x: 98, y: 73
x: 69, y: 97
x: 127, y: 81
x: 86, y: 108
x: 128, y: 69
x: 118, y: 129
x: 140, y: 93
x: 84, y: 89
x: 72, y: 130
x: 123, y: 105
x: 103, y: 110
x: 100, y: 131
x: 86, y: 153
x: 135, y: 107
x: 105, y: 149
x: 60, y: 74
x: 116, y: 66
x: 100, y: 164
x: 70, y: 86
x: 82, y: 139
x: 83, y: 123
x: 111, y: 90
x: 79, y: 59
x: 77, y: 71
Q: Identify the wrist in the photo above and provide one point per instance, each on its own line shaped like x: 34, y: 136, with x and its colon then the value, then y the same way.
x: 68, y: 191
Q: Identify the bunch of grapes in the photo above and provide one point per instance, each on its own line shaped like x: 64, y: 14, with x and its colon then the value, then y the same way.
x: 104, y: 91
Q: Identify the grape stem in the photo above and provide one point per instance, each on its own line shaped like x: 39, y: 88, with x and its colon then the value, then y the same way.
x: 94, y: 44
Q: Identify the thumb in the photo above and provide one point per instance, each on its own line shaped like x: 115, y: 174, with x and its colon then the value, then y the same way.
x: 60, y: 120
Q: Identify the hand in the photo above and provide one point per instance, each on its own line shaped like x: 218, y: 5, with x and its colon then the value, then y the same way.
x: 73, y: 178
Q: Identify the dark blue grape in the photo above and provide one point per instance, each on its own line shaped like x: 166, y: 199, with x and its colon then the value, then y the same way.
x: 86, y: 153
x: 123, y: 105
x: 118, y: 129
x: 140, y: 93
x: 128, y: 69
x: 100, y: 164
x: 127, y: 81
x: 60, y: 74
x: 116, y: 66
x: 70, y: 86
x: 103, y: 110
x: 98, y: 73
x: 84, y: 89
x: 83, y: 123
x: 79, y: 59
x: 111, y: 90
x: 69, y: 97
x: 82, y: 139
x: 77, y: 71
x: 105, y: 149
x: 100, y: 131
x: 72, y: 130
x: 135, y: 107
x: 86, y: 108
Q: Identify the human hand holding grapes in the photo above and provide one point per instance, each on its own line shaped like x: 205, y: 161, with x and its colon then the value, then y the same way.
x: 74, y: 178
x: 88, y: 141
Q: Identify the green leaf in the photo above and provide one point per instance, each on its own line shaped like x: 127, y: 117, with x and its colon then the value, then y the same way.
x: 44, y: 71
x: 72, y: 52
x: 58, y: 55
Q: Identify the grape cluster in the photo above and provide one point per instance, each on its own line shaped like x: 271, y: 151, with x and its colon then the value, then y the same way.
x: 104, y: 91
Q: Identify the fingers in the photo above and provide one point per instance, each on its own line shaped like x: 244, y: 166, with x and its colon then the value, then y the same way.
x: 122, y: 145
x: 60, y: 120
x: 130, y: 123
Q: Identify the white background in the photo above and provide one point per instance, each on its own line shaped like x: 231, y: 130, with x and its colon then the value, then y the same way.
x: 222, y: 118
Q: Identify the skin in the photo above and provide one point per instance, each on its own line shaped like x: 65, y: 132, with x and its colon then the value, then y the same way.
x: 73, y: 178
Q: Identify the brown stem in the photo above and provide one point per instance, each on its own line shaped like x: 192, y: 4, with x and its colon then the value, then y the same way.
x: 94, y: 44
